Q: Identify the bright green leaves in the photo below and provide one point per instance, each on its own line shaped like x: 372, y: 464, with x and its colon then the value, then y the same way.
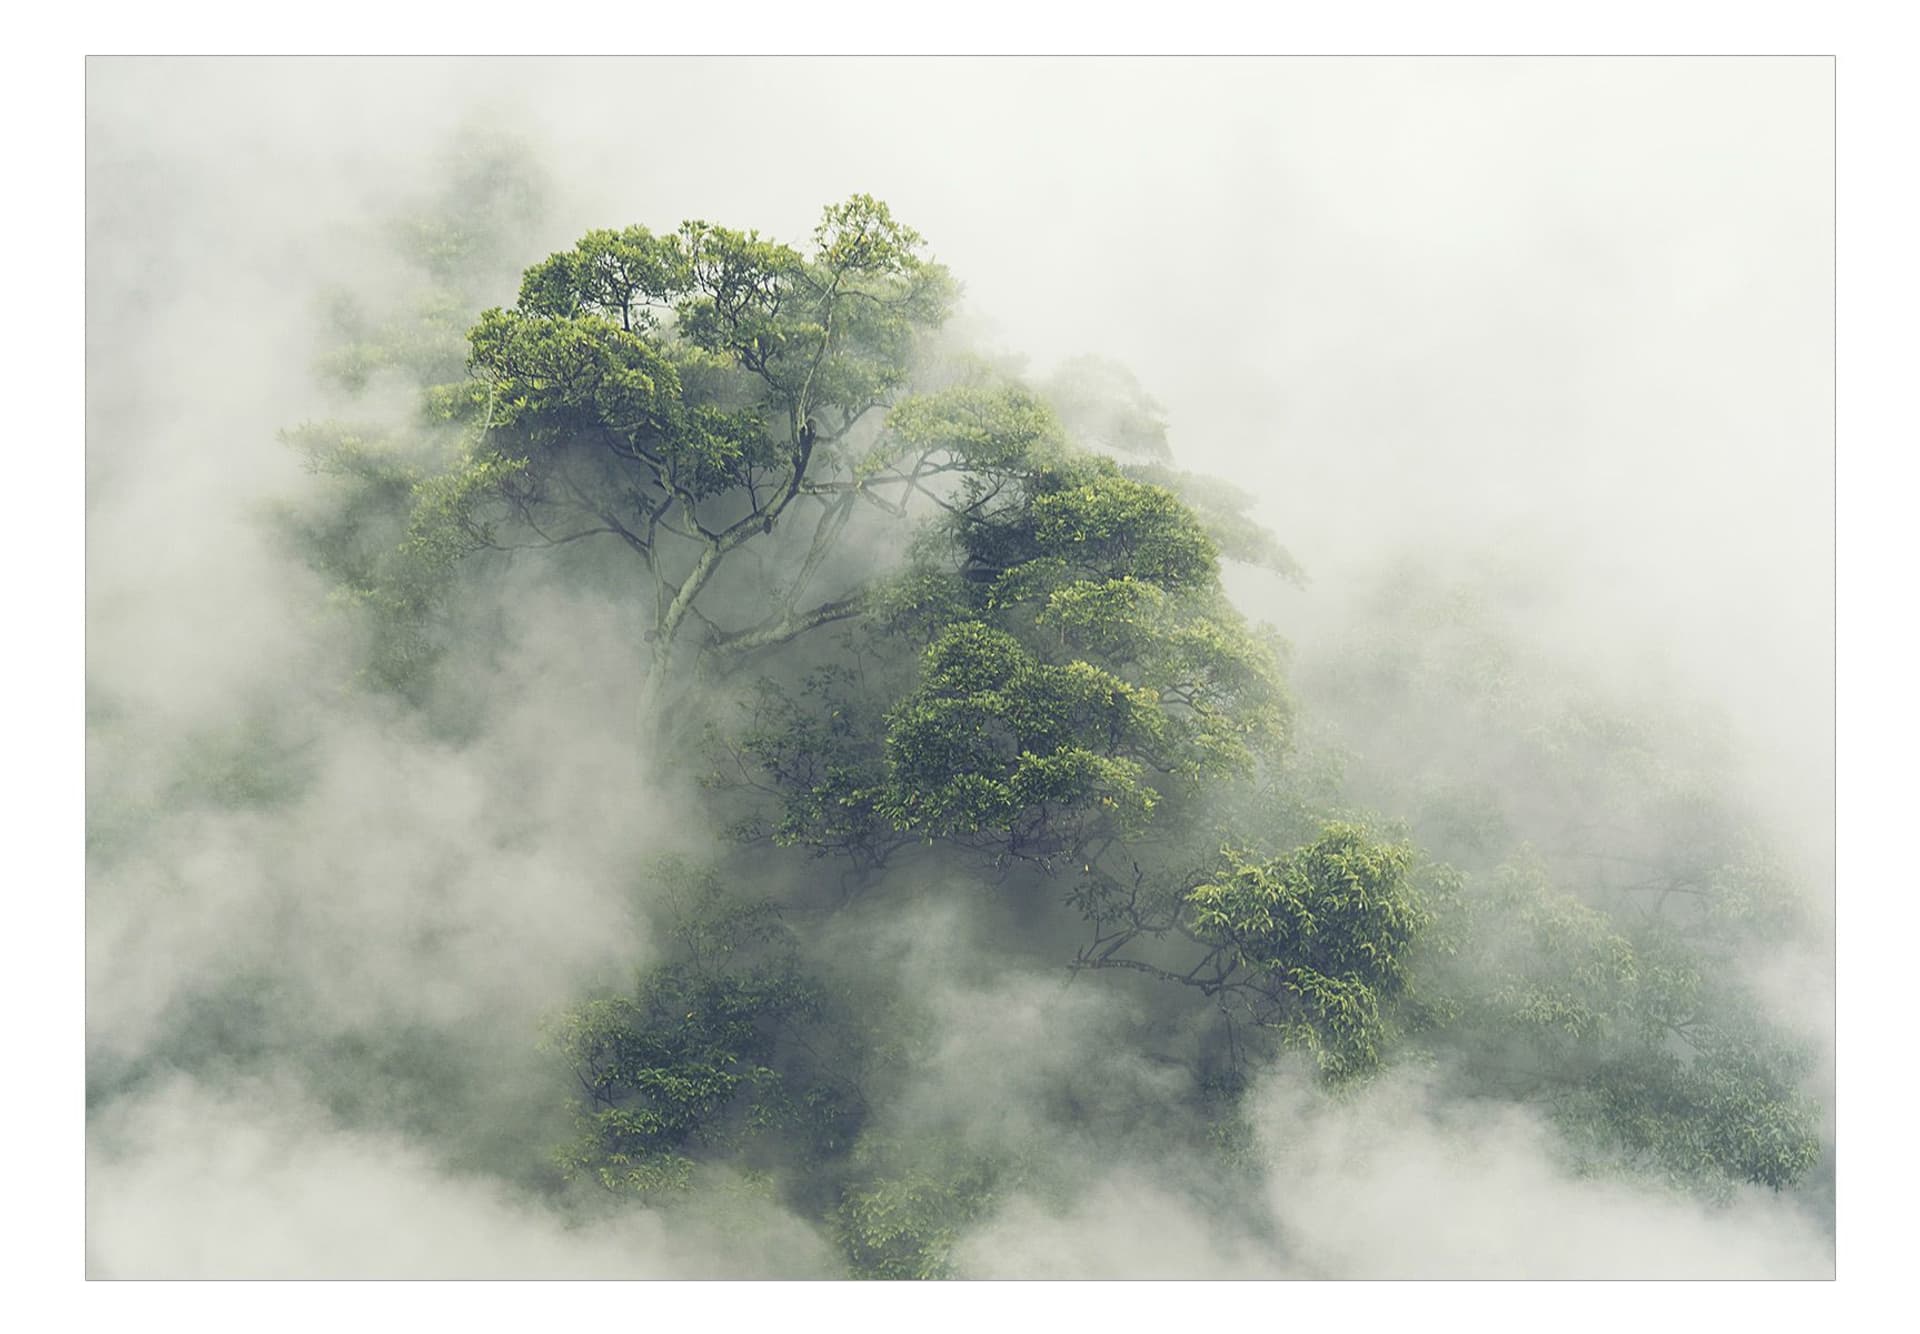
x: 834, y: 329
x: 1051, y: 708
x: 1000, y: 428
x: 1080, y: 517
x: 1215, y: 679
x: 755, y: 304
x: 1121, y: 620
x: 449, y: 519
x: 871, y: 295
x: 860, y: 239
x: 576, y: 372
x: 674, y: 395
x: 972, y: 658
x: 1221, y: 510
x: 1115, y: 526
x: 997, y: 740
x: 740, y: 300
x: 626, y: 276
x: 1323, y: 934
x: 557, y: 381
x: 995, y: 743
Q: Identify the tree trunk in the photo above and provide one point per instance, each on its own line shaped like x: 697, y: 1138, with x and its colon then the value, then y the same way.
x: 654, y: 694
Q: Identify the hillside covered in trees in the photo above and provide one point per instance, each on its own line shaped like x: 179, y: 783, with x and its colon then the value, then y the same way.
x: 820, y: 796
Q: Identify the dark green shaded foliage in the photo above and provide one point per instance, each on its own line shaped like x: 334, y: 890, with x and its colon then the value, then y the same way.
x: 905, y: 1226
x: 700, y: 1058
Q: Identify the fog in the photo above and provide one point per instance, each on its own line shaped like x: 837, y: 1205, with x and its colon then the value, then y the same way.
x: 1559, y: 331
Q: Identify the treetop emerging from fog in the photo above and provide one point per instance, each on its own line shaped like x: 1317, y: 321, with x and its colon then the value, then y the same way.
x: 897, y: 607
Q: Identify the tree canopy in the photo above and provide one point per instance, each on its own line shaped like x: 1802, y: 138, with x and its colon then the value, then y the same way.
x: 904, y: 607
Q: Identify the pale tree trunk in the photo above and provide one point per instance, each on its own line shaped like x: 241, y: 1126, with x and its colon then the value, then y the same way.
x: 650, y: 711
x: 652, y: 697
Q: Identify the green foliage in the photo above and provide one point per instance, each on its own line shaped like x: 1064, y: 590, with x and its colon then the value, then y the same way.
x: 598, y: 328
x: 1221, y: 510
x: 1322, y: 934
x: 446, y: 523
x: 673, y: 396
x: 691, y: 1063
x: 1560, y: 970
x: 1645, y: 1051
x: 1052, y: 686
x: 983, y: 428
x: 630, y: 274
x: 389, y: 566
x: 1612, y: 896
x: 996, y: 739
x: 1080, y: 665
x: 905, y: 1227
x: 820, y: 756
x: 1702, y: 1117
x: 1113, y: 526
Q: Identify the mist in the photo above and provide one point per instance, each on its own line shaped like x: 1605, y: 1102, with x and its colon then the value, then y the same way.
x: 1547, y: 340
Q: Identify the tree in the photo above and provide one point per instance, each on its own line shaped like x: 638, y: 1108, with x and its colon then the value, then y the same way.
x: 683, y: 395
x: 1612, y: 895
x: 700, y: 1058
x: 919, y: 608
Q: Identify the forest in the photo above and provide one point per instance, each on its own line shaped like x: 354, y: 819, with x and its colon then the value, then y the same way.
x: 771, y: 784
